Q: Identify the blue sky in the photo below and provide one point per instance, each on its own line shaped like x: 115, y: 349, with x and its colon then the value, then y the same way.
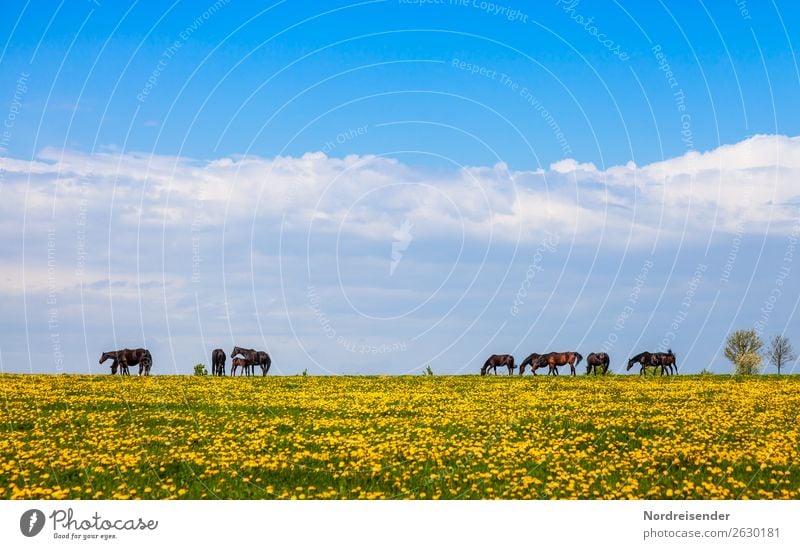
x: 373, y: 187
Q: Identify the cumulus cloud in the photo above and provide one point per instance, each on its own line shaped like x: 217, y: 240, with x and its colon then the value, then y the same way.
x: 181, y: 242
x: 745, y: 187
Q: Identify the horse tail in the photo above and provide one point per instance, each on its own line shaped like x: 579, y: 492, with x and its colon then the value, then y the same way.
x: 580, y: 357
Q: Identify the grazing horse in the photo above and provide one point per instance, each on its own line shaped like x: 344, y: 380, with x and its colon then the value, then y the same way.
x: 129, y: 357
x: 554, y: 360
x: 498, y: 360
x: 263, y: 360
x: 532, y: 361
x: 597, y: 359
x: 218, y: 362
x: 115, y: 364
x: 645, y: 359
x: 667, y: 360
x: 240, y: 362
x: 260, y: 358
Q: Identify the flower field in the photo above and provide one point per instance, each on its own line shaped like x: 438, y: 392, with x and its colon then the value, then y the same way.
x: 618, y: 437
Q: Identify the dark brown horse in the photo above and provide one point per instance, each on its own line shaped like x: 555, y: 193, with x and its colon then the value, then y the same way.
x: 218, y: 362
x: 498, y: 360
x: 597, y: 359
x: 645, y: 359
x: 667, y: 361
x: 531, y: 360
x: 244, y: 363
x: 263, y: 360
x: 115, y: 364
x: 129, y: 357
x: 554, y: 360
x: 258, y: 358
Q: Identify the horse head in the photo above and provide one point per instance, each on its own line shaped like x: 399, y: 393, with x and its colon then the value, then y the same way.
x: 631, y: 362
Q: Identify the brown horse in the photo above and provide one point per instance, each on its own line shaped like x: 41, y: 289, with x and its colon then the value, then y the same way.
x: 115, y: 364
x: 554, y: 360
x: 667, y: 361
x: 129, y: 357
x: 498, y: 360
x: 240, y: 362
x: 597, y: 359
x: 218, y: 362
x: 645, y: 359
x: 531, y: 360
x: 263, y: 360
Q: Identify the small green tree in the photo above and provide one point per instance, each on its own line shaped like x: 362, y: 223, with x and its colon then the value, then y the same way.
x: 743, y: 349
x: 748, y: 364
x: 428, y: 371
x: 200, y: 370
x: 780, y: 352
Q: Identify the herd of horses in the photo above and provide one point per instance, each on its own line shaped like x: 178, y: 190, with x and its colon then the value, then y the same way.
x: 244, y: 359
x: 665, y: 361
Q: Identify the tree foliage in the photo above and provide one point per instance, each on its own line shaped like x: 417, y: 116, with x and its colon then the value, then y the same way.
x: 748, y: 364
x: 200, y: 370
x: 743, y: 349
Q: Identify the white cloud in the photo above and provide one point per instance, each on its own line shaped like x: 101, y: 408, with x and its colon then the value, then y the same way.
x: 744, y: 186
